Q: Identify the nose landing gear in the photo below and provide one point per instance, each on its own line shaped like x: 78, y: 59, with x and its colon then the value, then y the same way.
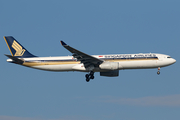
x: 89, y: 76
x: 158, y: 72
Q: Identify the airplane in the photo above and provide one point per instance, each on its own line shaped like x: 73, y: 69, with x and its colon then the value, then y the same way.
x: 107, y: 65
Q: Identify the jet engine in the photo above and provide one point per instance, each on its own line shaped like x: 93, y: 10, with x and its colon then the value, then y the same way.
x: 110, y: 66
x: 112, y: 73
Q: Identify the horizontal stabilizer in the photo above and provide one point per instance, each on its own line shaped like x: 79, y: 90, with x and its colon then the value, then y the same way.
x: 15, y: 60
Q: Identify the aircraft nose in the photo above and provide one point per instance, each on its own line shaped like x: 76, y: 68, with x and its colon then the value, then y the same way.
x: 173, y: 60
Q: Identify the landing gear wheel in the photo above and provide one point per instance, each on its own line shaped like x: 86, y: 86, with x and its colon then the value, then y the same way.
x: 92, y: 77
x: 87, y: 79
x: 158, y: 72
x: 87, y: 76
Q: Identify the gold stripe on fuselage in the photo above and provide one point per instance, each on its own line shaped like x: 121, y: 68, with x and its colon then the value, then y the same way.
x: 31, y: 64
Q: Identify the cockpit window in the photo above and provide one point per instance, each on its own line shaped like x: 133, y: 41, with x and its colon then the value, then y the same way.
x: 168, y: 57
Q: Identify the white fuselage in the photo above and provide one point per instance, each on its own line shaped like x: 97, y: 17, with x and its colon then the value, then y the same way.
x: 124, y: 61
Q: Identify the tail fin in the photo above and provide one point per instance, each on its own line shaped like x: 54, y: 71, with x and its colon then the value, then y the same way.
x: 16, y: 48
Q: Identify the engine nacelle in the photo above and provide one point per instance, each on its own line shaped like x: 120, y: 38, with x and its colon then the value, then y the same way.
x: 113, y: 73
x: 110, y: 66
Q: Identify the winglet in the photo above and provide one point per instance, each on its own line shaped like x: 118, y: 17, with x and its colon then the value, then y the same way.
x: 63, y: 43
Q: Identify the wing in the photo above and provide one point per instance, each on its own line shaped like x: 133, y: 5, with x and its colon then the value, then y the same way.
x: 86, y: 59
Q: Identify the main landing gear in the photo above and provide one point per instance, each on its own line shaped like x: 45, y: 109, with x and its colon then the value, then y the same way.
x: 158, y: 72
x: 89, y: 76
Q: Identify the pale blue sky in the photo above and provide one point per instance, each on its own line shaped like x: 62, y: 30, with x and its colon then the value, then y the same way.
x: 94, y: 27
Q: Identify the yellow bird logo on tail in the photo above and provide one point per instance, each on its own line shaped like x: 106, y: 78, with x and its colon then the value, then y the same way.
x: 19, y: 50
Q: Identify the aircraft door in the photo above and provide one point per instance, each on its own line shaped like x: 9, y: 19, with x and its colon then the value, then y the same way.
x: 160, y: 58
